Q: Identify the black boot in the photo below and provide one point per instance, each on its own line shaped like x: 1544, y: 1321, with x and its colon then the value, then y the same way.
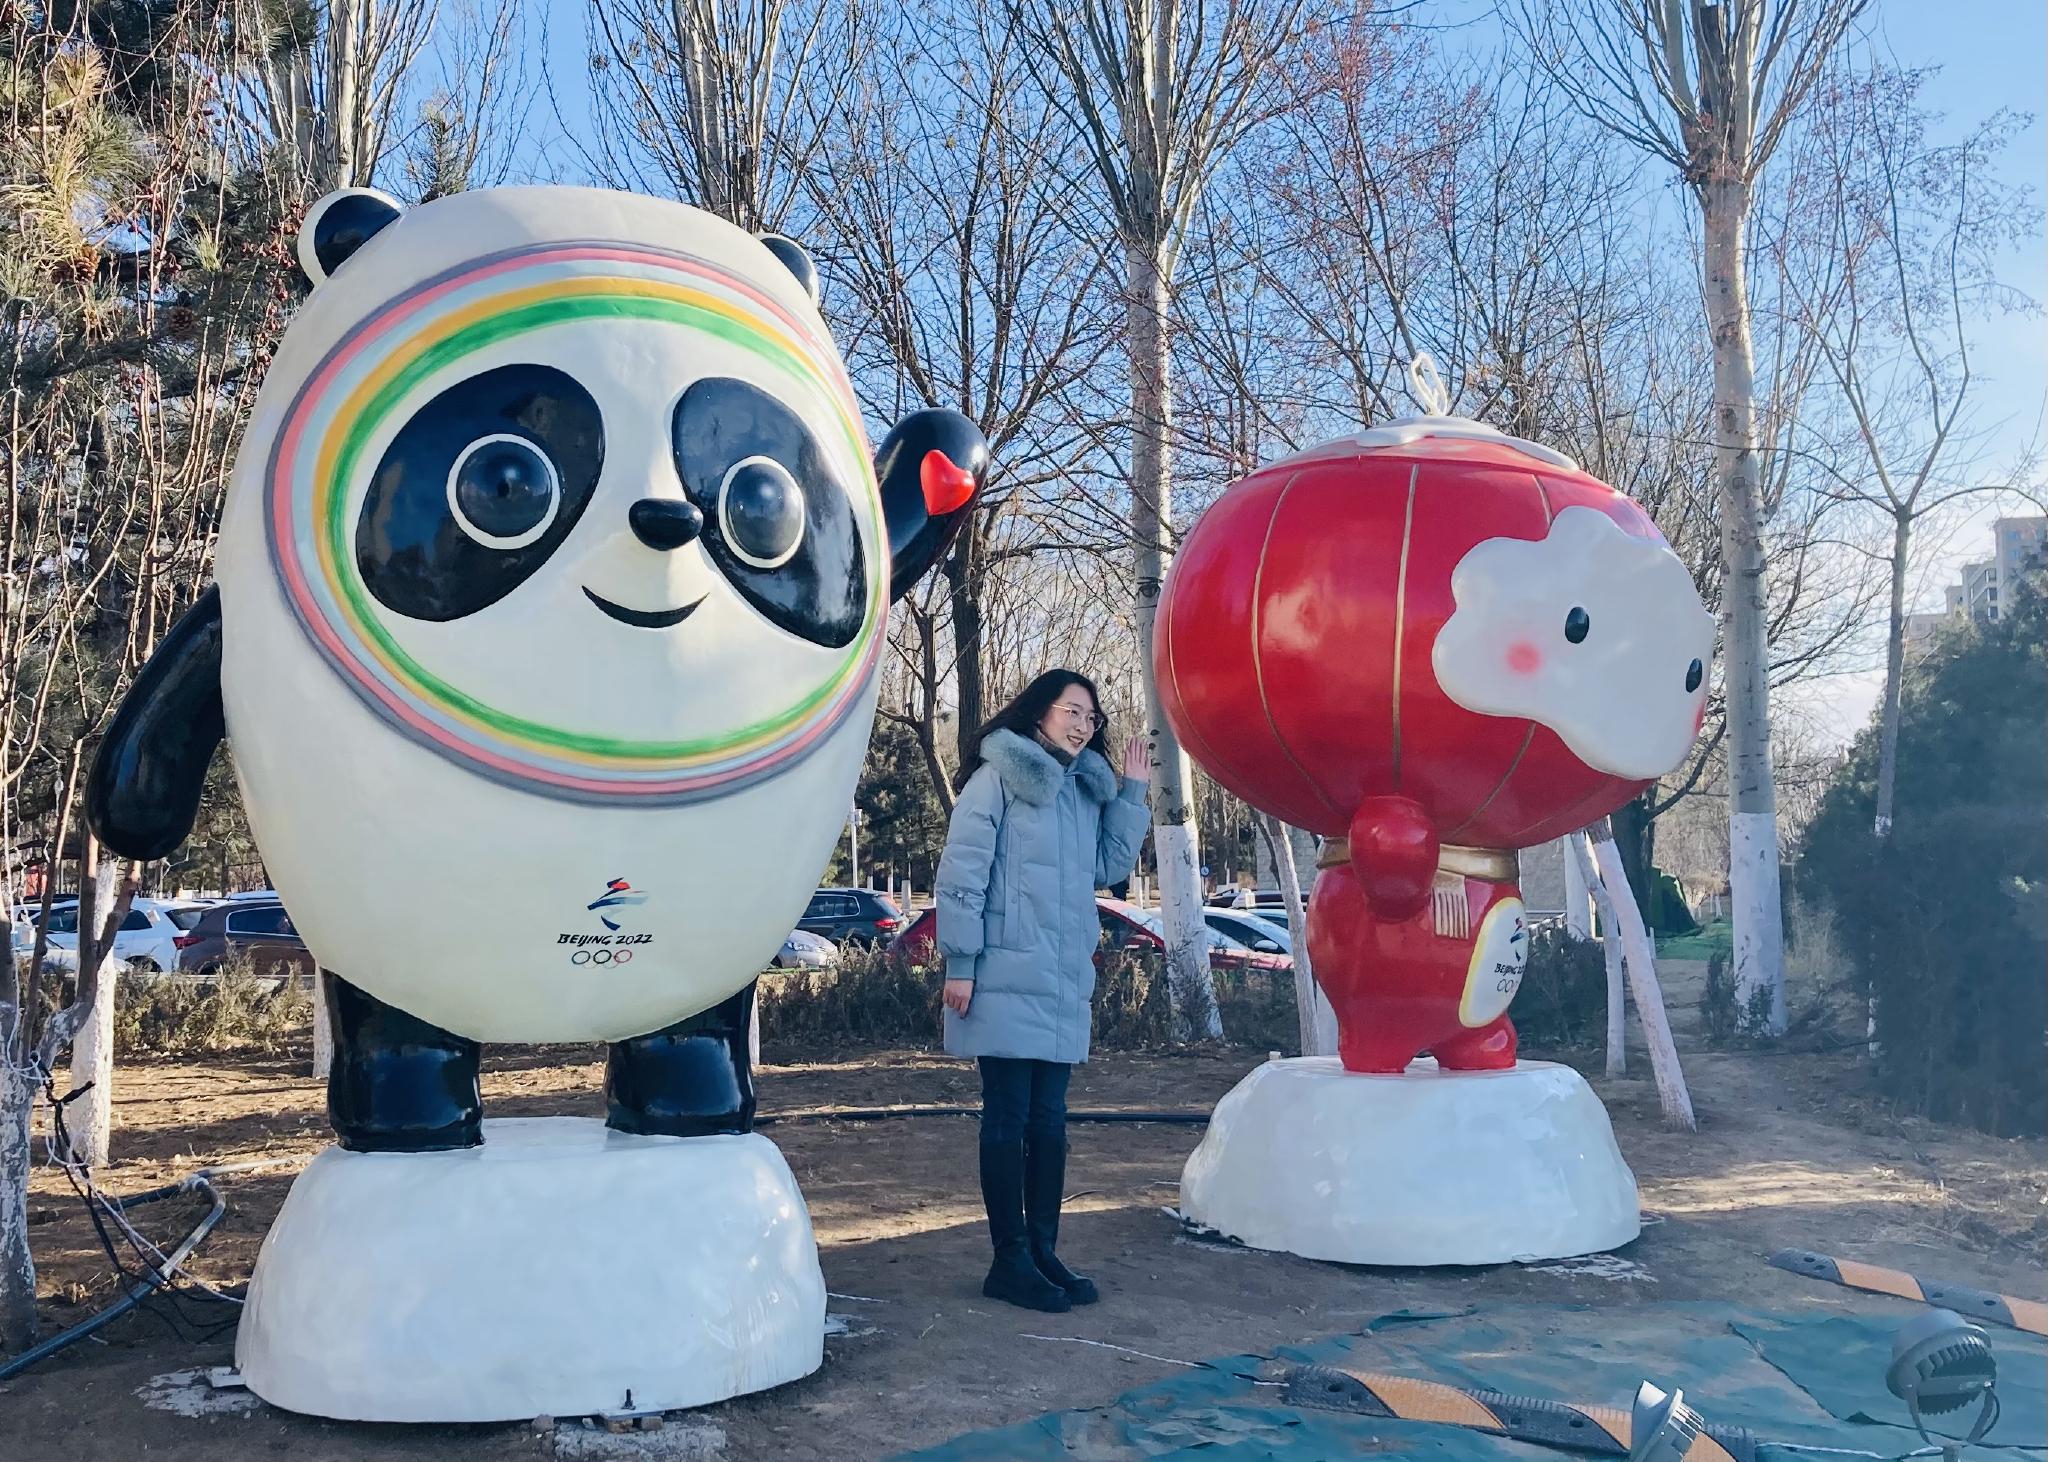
x: 398, y: 1083
x: 1045, y: 1180
x: 691, y: 1079
x: 1013, y: 1277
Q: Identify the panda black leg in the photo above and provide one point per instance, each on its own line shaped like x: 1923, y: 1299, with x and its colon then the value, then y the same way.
x: 692, y: 1079
x: 399, y: 1083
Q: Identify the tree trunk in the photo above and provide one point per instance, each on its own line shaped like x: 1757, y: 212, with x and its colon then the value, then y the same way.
x: 1894, y: 676
x: 338, y: 165
x: 1312, y: 1007
x: 17, y: 1263
x: 1642, y: 978
x: 41, y: 945
x: 323, y: 1028
x: 1579, y: 859
x: 964, y: 583
x: 1633, y: 834
x: 1752, y: 793
x: 1174, y: 842
x: 90, y: 1119
x: 103, y: 898
x: 1578, y: 896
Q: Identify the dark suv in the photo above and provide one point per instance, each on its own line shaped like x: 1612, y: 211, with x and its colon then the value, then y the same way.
x: 262, y: 933
x: 859, y: 918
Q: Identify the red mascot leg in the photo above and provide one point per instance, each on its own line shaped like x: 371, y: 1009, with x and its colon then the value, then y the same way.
x: 1385, y: 1016
x: 1489, y: 1048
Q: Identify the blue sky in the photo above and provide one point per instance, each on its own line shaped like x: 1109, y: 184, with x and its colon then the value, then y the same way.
x: 1991, y: 55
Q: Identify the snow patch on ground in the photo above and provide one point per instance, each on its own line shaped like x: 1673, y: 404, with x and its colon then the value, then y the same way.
x: 189, y: 1393
x: 676, y: 1441
x: 1611, y: 1267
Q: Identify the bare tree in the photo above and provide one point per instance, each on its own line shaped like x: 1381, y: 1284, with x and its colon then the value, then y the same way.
x: 1886, y: 242
x: 143, y: 237
x: 721, y: 103
x: 1711, y: 87
x: 468, y: 128
x: 325, y: 85
x: 958, y: 274
x: 1160, y: 92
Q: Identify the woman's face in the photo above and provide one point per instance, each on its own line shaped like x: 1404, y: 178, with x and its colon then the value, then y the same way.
x: 1072, y: 720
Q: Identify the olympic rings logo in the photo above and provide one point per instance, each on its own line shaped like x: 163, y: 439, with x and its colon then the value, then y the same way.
x: 601, y: 957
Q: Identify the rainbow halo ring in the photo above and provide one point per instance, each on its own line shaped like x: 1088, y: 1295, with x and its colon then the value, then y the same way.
x: 651, y: 318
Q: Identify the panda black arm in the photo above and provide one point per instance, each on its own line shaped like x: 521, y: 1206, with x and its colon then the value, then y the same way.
x: 143, y: 793
x: 931, y: 468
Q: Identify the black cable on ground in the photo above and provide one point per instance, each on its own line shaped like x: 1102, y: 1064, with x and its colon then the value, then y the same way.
x: 157, y: 1281
x: 878, y: 1114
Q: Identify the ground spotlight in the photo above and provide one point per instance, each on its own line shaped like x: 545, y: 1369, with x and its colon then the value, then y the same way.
x: 1661, y: 1427
x: 1941, y: 1363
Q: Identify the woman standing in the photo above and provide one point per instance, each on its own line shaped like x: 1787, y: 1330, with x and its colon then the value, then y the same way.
x: 1042, y: 822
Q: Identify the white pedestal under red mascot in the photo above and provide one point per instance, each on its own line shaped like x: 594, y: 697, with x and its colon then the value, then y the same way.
x: 1431, y: 644
x: 554, y: 577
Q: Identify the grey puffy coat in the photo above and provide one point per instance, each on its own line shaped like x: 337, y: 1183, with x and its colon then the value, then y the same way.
x: 1030, y: 842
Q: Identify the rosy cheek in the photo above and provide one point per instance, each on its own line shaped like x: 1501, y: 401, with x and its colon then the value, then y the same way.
x: 1699, y: 716
x: 1524, y: 658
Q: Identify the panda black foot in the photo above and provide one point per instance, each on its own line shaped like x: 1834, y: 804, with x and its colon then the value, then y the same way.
x: 399, y: 1083
x: 692, y: 1079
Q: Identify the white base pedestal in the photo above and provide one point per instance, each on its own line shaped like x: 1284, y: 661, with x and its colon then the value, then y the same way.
x: 1430, y: 1167
x: 551, y: 1271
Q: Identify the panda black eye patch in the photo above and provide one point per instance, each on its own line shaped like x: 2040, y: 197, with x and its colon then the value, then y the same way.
x: 777, y: 522
x: 477, y: 490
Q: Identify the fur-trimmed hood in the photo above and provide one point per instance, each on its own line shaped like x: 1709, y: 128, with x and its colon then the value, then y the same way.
x: 1032, y: 774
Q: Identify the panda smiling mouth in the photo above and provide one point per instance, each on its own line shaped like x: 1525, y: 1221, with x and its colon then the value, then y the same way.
x: 643, y: 618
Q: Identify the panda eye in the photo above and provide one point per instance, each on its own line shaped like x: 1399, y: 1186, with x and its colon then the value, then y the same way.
x: 761, y: 512
x: 1577, y: 624
x: 1694, y: 674
x: 503, y: 491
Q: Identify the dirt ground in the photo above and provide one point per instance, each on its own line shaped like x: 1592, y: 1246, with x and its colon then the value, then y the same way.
x: 1790, y: 1152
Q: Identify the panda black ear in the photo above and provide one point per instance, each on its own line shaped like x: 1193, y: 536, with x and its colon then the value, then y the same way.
x: 340, y: 224
x: 795, y: 260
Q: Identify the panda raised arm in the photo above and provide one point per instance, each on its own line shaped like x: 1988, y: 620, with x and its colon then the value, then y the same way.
x: 759, y: 499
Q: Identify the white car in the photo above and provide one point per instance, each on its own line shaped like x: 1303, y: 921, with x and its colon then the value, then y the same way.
x: 1260, y: 931
x: 146, y: 939
x: 23, y: 944
x: 804, y: 950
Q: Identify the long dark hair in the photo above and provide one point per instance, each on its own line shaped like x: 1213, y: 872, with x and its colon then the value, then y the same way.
x: 1023, y: 714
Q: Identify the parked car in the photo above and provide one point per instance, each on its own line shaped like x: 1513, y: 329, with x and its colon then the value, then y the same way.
x: 22, y: 942
x: 147, y: 939
x: 918, y: 941
x: 261, y: 932
x: 807, y: 951
x: 1258, y: 931
x: 1127, y: 927
x: 859, y: 918
x: 1268, y: 903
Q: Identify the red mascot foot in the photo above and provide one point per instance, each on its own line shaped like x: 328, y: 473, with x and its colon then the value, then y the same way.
x: 1490, y: 1048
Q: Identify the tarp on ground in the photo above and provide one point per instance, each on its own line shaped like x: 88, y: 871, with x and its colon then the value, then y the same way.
x: 1796, y: 1381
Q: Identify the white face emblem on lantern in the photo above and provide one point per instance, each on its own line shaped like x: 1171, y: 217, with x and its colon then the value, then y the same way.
x: 1590, y: 631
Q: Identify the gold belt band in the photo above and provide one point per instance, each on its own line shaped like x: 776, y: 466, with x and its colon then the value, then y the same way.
x: 1497, y: 865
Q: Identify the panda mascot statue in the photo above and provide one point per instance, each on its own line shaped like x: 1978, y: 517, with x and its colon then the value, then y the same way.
x: 552, y: 585
x: 1432, y: 644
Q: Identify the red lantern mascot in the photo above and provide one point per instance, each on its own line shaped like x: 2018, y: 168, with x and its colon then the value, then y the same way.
x: 1432, y: 645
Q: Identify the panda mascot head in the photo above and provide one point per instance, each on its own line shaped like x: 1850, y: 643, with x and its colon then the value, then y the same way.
x: 553, y: 582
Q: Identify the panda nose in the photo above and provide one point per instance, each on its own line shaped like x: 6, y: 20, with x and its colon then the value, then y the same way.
x: 663, y: 523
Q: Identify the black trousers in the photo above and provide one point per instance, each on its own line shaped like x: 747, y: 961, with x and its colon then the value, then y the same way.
x: 1023, y: 1099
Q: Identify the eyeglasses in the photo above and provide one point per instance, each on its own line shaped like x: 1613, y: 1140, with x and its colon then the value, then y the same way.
x: 1095, y: 719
